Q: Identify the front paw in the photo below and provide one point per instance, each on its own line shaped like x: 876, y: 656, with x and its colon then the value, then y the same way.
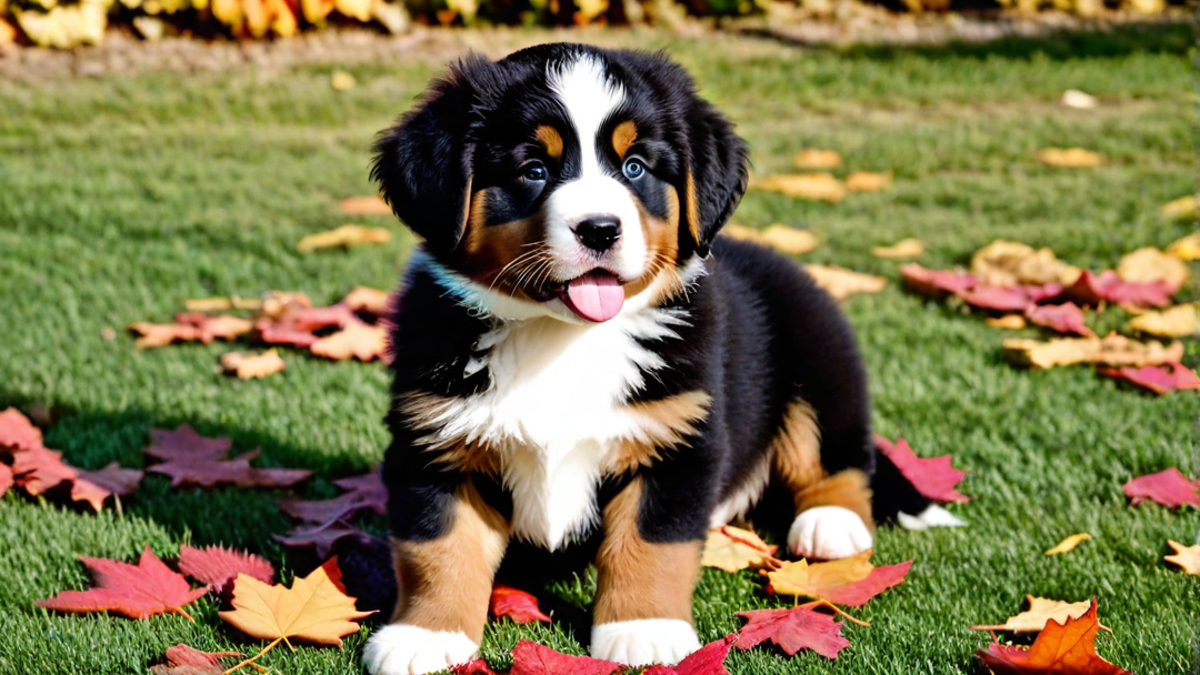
x: 828, y: 533
x: 404, y: 649
x: 644, y: 641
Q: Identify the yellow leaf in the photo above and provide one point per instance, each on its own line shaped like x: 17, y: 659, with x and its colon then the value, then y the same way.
x: 248, y: 365
x: 358, y: 340
x: 814, y: 158
x: 257, y: 16
x: 1041, y: 610
x: 865, y: 181
x: 1175, y: 322
x: 1010, y: 263
x: 905, y: 248
x: 315, y: 608
x: 221, y: 304
x: 1073, y: 158
x: 1187, y: 557
x: 841, y: 283
x: 315, y: 11
x: 1080, y: 100
x: 732, y: 548
x: 590, y: 9
x: 1069, y: 544
x: 365, y: 299
x: 340, y: 80
x: 1112, y: 350
x: 1148, y: 265
x: 283, y: 21
x: 1184, y: 207
x: 228, y: 12
x: 346, y: 235
x: 65, y: 26
x: 355, y: 9
x: 1008, y: 322
x: 801, y: 578
x: 803, y: 185
x: 7, y: 32
x: 788, y: 240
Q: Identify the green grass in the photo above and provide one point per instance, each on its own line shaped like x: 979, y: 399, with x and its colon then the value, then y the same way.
x: 122, y: 196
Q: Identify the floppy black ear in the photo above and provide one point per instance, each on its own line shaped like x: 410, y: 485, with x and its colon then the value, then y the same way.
x: 716, y: 174
x: 423, y: 163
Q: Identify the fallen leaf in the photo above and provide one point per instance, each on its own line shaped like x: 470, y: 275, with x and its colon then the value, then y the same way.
x: 905, y: 248
x: 251, y: 365
x: 936, y: 283
x: 136, y: 591
x: 340, y: 80
x: 96, y: 486
x: 732, y: 548
x: 222, y: 304
x: 1112, y: 350
x: 278, y: 303
x: 933, y: 477
x: 357, y: 340
x: 866, y: 181
x: 191, y: 459
x: 1179, y: 209
x: 218, y: 327
x: 40, y: 470
x: 530, y: 658
x: 1064, y: 318
x: 184, y: 442
x: 1156, y: 378
x: 217, y: 566
x: 346, y: 235
x: 850, y: 581
x: 788, y: 240
x: 1187, y: 557
x: 313, y: 609
x: 793, y: 629
x: 1069, y: 543
x: 1008, y: 322
x: 1010, y: 263
x: 311, y: 319
x: 1175, y: 322
x: 322, y: 537
x: 996, y: 298
x: 6, y: 479
x: 278, y: 334
x: 476, y: 667
x: 1073, y: 98
x: 1072, y: 158
x: 184, y: 660
x: 814, y: 158
x: 516, y: 604
x: 162, y: 334
x: 365, y: 492
x: 708, y: 660
x: 1040, y: 611
x: 1092, y: 289
x: 841, y: 283
x: 365, y: 206
x: 823, y: 186
x: 1148, y: 265
x: 17, y: 432
x: 1061, y: 648
x: 1170, y: 488
x: 370, y: 300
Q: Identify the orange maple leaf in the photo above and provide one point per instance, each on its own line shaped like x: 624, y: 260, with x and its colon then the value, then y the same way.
x: 1060, y: 649
x: 315, y: 608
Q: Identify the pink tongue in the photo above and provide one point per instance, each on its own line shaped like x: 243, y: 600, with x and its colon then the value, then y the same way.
x: 595, y: 296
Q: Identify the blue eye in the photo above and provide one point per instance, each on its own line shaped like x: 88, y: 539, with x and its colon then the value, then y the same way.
x: 536, y: 172
x: 634, y: 169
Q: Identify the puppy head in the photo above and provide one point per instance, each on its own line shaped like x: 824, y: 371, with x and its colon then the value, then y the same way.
x: 563, y: 180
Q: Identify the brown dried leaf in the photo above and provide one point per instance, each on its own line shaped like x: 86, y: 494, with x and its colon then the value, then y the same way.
x: 1040, y: 611
x: 815, y: 158
x: 1072, y: 158
x: 841, y: 283
x: 1175, y: 322
x: 823, y: 186
x: 346, y: 235
x: 905, y: 248
x: 866, y: 181
x: 251, y: 365
x: 1113, y: 350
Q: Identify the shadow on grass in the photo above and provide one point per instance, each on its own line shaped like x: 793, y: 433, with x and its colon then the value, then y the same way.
x: 1167, y: 37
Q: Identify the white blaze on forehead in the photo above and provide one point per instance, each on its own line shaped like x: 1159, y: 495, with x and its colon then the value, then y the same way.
x: 589, y: 97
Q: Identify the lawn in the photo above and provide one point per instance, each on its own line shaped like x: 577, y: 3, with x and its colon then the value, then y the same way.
x: 125, y: 194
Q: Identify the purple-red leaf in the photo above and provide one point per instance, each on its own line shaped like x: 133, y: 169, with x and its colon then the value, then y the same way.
x: 216, y: 566
x: 1064, y: 318
x: 936, y: 283
x: 323, y: 537
x: 184, y: 442
x: 996, y: 298
x: 365, y: 492
x: 793, y: 629
x: 136, y: 591
x: 1156, y: 378
x: 530, y: 658
x: 516, y: 604
x: 1092, y: 289
x: 1170, y: 488
x: 934, y: 477
x: 708, y: 660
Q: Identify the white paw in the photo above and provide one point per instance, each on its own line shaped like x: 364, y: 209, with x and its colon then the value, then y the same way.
x: 828, y: 533
x: 644, y: 641
x: 932, y: 516
x: 403, y: 649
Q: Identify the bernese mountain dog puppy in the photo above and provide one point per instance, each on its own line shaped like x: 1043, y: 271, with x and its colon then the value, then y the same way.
x: 579, y: 355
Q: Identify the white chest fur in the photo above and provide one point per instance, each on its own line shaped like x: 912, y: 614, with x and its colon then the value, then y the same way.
x: 554, y: 412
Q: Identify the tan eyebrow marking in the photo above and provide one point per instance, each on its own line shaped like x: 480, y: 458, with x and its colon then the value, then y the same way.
x: 550, y: 138
x: 623, y: 137
x: 693, y: 207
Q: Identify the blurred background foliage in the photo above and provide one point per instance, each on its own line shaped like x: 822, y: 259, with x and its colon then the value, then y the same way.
x: 70, y: 23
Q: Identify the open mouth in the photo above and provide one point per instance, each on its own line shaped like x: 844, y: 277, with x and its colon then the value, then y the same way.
x: 596, y: 296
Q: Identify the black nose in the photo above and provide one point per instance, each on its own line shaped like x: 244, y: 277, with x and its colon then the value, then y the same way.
x: 598, y: 232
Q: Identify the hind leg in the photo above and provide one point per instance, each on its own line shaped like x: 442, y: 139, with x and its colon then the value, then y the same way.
x: 832, y: 511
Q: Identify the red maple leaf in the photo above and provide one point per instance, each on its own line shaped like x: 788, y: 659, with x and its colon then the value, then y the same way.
x: 1064, y: 318
x: 708, y: 660
x: 17, y: 432
x: 1170, y: 488
x: 998, y: 298
x: 1043, y: 292
x: 137, y: 591
x: 191, y: 459
x: 1060, y: 649
x: 476, y: 667
x: 936, y: 283
x: 184, y: 660
x: 1156, y: 378
x: 39, y: 470
x: 1092, y: 289
x: 530, y: 658
x: 934, y: 477
x: 216, y: 566
x: 278, y: 334
x: 516, y: 604
x: 793, y: 629
x: 857, y: 593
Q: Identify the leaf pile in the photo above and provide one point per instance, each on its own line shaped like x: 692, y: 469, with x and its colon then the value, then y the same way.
x: 1066, y: 647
